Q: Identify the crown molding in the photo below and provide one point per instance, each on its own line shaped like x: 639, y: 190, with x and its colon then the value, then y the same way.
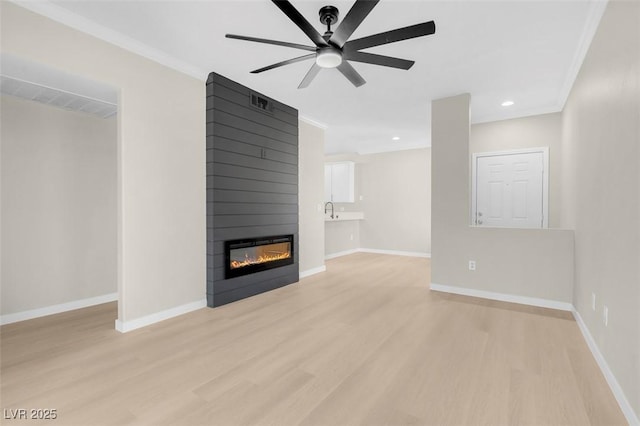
x: 313, y: 122
x: 395, y: 147
x: 588, y: 32
x: 77, y: 22
x: 594, y: 15
x: 488, y: 118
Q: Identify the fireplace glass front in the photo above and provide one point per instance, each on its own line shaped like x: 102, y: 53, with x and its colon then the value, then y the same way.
x: 248, y: 256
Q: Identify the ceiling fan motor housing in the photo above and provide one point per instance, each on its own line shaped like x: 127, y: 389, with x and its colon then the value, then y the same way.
x: 328, y: 15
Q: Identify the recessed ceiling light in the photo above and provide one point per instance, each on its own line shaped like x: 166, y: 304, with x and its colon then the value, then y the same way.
x: 396, y: 138
x: 507, y: 103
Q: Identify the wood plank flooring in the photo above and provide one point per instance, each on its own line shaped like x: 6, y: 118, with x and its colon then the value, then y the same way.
x: 365, y: 343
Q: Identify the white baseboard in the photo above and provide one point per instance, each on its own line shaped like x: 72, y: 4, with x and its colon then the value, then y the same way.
x: 396, y: 252
x: 57, y: 309
x: 378, y: 251
x: 126, y: 326
x: 522, y: 300
x: 312, y: 271
x: 340, y: 254
x: 618, y: 393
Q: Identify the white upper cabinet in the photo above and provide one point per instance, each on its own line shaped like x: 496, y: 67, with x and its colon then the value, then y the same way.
x: 339, y: 182
x: 327, y: 182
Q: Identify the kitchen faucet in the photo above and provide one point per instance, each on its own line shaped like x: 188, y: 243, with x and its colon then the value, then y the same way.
x: 325, y: 208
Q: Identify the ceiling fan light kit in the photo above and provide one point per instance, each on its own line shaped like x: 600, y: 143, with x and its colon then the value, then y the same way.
x: 334, y: 49
x: 328, y: 57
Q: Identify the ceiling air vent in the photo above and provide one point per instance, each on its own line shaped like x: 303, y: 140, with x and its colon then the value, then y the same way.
x: 261, y: 103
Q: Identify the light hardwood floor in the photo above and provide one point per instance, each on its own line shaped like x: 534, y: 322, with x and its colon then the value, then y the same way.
x: 365, y: 343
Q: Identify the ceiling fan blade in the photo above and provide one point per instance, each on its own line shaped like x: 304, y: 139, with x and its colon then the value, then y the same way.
x: 413, y: 31
x: 283, y: 63
x: 311, y: 74
x: 385, y: 61
x: 301, y: 22
x: 352, y: 20
x: 352, y: 75
x: 276, y: 42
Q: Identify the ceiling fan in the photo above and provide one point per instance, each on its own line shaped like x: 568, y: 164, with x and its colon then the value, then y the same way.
x: 333, y: 49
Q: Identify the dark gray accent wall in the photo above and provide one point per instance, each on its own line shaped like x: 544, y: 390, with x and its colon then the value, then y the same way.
x: 252, y: 184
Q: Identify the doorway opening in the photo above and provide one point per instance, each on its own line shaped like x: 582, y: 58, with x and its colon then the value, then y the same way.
x: 59, y: 191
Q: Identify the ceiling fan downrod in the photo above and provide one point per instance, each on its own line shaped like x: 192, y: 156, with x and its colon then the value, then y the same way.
x: 328, y: 16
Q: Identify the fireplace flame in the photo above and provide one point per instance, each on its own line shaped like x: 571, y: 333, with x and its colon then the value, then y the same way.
x: 264, y: 258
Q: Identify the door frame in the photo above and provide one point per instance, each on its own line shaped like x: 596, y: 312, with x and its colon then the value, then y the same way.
x: 544, y: 150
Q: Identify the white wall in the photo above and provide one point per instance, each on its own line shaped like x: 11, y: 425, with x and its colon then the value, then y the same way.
x: 396, y: 202
x: 528, y: 132
x: 342, y: 237
x: 310, y: 197
x: 601, y: 142
x: 58, y: 177
x: 161, y: 161
x: 534, y: 264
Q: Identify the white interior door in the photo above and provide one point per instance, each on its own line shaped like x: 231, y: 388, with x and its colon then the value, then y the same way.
x: 510, y: 189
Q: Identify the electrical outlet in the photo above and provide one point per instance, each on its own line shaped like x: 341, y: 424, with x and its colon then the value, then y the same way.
x: 605, y: 315
x: 593, y: 301
x: 361, y: 197
x: 351, y: 237
x: 472, y: 265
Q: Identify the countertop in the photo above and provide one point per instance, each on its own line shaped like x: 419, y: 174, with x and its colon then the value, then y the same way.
x: 342, y: 216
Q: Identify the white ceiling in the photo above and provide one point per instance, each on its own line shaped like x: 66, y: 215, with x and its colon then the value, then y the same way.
x: 525, y: 51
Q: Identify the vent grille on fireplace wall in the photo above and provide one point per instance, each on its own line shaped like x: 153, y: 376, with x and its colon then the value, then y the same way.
x: 261, y: 103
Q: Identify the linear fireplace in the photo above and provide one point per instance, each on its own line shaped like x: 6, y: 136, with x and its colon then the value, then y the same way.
x: 247, y: 256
